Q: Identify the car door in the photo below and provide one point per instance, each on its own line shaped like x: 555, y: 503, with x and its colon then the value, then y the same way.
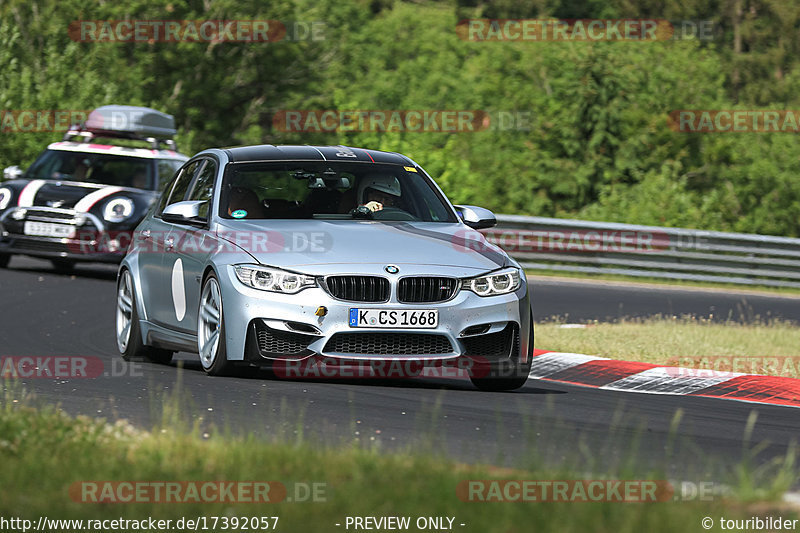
x: 188, y: 250
x: 155, y: 274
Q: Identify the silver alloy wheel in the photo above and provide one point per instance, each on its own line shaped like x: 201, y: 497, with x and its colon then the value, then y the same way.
x: 209, y: 323
x: 124, y: 311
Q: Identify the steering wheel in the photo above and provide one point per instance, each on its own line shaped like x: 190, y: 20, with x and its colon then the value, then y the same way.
x: 393, y: 213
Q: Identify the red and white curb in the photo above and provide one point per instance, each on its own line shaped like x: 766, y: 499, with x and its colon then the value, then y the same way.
x: 610, y: 374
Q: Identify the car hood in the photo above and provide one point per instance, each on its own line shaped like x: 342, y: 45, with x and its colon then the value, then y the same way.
x: 327, y: 246
x: 68, y: 194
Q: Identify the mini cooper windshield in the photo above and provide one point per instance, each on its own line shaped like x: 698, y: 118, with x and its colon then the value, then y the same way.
x: 102, y: 169
x: 331, y: 190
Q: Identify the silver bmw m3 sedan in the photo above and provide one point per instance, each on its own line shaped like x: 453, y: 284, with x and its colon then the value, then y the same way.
x: 291, y: 258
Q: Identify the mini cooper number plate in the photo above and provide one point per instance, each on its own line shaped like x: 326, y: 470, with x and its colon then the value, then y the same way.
x: 394, y: 318
x: 48, y: 229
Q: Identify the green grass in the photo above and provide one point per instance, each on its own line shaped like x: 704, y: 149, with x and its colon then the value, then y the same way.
x: 44, y: 452
x: 767, y: 348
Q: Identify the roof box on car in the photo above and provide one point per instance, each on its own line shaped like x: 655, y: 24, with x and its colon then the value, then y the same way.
x: 127, y: 122
x: 140, y: 121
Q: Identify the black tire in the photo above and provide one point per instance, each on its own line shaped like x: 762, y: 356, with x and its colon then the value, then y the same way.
x: 505, y: 376
x: 4, y: 259
x: 64, y: 266
x: 135, y: 349
x: 220, y: 366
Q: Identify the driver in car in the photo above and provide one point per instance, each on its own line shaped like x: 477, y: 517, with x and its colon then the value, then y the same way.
x: 380, y: 192
x: 80, y: 169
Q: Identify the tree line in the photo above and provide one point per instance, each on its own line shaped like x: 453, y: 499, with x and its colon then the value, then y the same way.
x: 563, y: 128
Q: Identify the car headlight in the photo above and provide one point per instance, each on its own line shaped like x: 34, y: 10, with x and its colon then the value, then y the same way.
x: 503, y: 282
x: 273, y: 279
x: 5, y: 197
x: 118, y: 209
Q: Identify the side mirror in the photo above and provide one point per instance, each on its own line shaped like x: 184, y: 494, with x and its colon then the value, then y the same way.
x: 476, y: 217
x: 11, y: 173
x: 184, y: 213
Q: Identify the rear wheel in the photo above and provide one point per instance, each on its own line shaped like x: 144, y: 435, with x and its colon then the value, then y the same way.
x: 508, y: 375
x: 129, y: 337
x: 211, y: 330
x: 4, y: 259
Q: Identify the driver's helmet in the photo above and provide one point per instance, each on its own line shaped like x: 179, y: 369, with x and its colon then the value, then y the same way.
x: 382, y: 183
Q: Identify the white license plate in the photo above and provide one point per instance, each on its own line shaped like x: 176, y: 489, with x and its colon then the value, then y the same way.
x: 394, y: 318
x: 48, y: 229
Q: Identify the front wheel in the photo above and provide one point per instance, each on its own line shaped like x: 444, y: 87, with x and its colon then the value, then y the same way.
x: 499, y: 379
x: 4, y: 259
x: 211, y: 330
x: 129, y: 337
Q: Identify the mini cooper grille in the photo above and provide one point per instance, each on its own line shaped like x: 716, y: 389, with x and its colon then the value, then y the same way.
x: 494, y: 345
x: 359, y: 288
x: 274, y: 343
x: 388, y: 344
x: 84, y: 227
x: 60, y: 217
x: 33, y: 213
x: 426, y: 290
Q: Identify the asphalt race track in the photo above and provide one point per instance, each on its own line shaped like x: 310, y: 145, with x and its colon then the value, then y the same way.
x: 579, y: 301
x: 44, y: 313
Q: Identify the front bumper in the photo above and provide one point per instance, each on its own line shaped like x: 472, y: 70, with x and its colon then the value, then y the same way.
x: 263, y: 327
x: 91, y: 241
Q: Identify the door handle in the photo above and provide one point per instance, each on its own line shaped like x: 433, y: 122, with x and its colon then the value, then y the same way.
x: 169, y: 243
x: 145, y: 234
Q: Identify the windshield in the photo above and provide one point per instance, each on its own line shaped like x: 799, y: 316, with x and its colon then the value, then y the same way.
x: 330, y: 190
x: 105, y: 169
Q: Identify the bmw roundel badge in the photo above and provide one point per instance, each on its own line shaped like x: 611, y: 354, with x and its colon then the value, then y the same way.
x: 391, y: 269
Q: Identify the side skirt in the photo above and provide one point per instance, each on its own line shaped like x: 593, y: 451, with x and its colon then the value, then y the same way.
x: 161, y: 337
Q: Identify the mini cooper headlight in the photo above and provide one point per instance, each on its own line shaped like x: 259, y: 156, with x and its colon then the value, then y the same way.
x: 5, y: 198
x: 273, y: 279
x: 118, y: 209
x: 503, y: 282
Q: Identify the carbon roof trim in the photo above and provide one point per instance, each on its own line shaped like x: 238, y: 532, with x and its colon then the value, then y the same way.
x: 269, y: 152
